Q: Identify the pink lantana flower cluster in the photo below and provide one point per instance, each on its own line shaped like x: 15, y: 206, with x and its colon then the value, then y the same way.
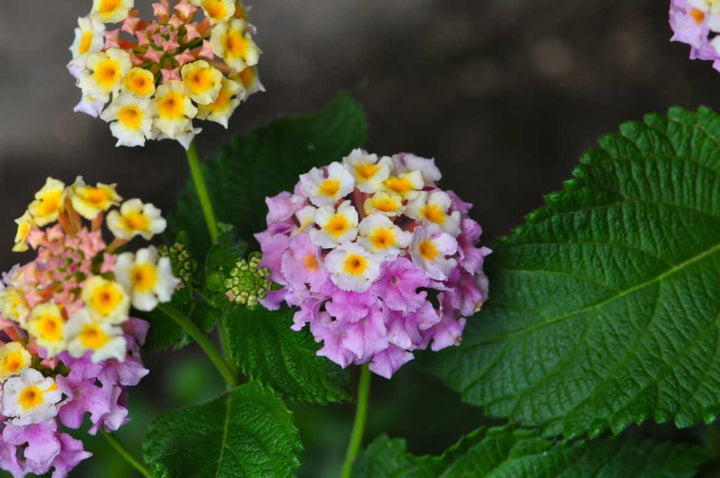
x: 378, y: 258
x: 697, y: 23
x: 68, y: 345
x: 149, y: 80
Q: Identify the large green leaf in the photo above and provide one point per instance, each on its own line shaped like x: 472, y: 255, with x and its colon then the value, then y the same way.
x: 605, y: 303
x: 267, y: 350
x: 504, y: 452
x: 247, y: 432
x: 264, y: 162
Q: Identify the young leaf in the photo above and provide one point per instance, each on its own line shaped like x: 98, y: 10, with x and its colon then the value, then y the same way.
x: 504, y: 452
x: 247, y: 432
x: 605, y: 304
x: 267, y: 350
x: 264, y: 162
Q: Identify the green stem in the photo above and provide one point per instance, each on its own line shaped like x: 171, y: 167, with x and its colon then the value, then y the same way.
x: 203, y: 341
x: 125, y: 453
x: 359, y: 425
x: 202, y: 192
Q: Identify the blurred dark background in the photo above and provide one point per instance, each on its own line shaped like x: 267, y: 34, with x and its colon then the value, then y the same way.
x: 506, y: 94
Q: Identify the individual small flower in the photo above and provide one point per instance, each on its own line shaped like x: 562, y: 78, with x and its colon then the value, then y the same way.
x: 14, y: 358
x: 233, y: 43
x: 48, y: 202
x: 25, y: 224
x: 139, y: 82
x: 106, y: 300
x: 202, y: 81
x: 217, y: 10
x: 130, y: 119
x: 228, y: 98
x: 430, y: 249
x: 46, y: 326
x: 84, y: 335
x: 136, y: 218
x: 369, y: 172
x: 405, y: 185
x: 388, y: 204
x: 352, y: 268
x: 89, y: 38
x: 248, y: 282
x: 13, y: 304
x: 327, y: 185
x: 111, y: 11
x: 89, y: 201
x: 433, y: 208
x: 30, y: 398
x: 149, y: 278
x: 250, y: 80
x: 174, y: 109
x: 409, y: 162
x: 381, y: 236
x: 106, y: 72
x: 305, y: 217
x: 336, y: 226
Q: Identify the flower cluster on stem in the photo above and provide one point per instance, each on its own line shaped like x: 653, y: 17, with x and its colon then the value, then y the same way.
x: 151, y: 79
x: 68, y: 344
x: 378, y: 258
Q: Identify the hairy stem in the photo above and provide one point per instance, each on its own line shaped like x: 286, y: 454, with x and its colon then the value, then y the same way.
x: 127, y: 455
x: 202, y: 192
x: 360, y: 418
x: 203, y: 341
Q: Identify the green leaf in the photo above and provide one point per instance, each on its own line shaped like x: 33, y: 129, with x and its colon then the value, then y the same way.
x: 504, y: 452
x: 247, y: 432
x: 267, y: 350
x: 605, y: 303
x: 264, y: 162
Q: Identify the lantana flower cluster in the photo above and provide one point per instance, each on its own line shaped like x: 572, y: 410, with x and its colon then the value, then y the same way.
x: 150, y: 79
x: 697, y: 23
x: 68, y: 345
x: 378, y: 258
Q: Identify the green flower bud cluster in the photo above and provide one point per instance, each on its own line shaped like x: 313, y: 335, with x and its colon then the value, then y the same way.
x: 248, y: 282
x: 183, y: 264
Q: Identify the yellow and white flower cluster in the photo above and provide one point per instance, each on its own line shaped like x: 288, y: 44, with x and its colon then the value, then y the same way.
x: 150, y: 80
x: 76, y: 295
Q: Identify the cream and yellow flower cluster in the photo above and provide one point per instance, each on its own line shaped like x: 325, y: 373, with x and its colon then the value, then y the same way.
x: 68, y: 345
x: 149, y: 80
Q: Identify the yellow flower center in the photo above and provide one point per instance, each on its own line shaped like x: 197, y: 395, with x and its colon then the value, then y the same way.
x: 200, y: 80
x: 428, y: 250
x: 366, y: 171
x: 106, y: 298
x: 107, y: 73
x: 400, y: 185
x: 50, y: 202
x: 144, y: 277
x: 235, y: 43
x: 311, y: 263
x: 108, y: 6
x: 50, y: 327
x: 382, y: 238
x: 140, y: 82
x: 697, y: 15
x: 13, y: 362
x: 330, y: 187
x: 135, y: 221
x: 247, y: 76
x: 96, y: 196
x: 93, y: 337
x: 337, y: 226
x: 222, y: 101
x: 386, y: 204
x: 85, y: 43
x: 355, y: 265
x: 31, y: 397
x: 433, y: 214
x: 172, y: 106
x: 215, y: 9
x: 131, y: 117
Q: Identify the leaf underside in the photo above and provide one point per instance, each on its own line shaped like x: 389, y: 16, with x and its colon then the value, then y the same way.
x: 504, y: 452
x: 605, y: 303
x: 247, y: 432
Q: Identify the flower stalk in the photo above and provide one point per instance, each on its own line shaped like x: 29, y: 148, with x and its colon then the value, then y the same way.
x: 127, y: 455
x: 359, y: 424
